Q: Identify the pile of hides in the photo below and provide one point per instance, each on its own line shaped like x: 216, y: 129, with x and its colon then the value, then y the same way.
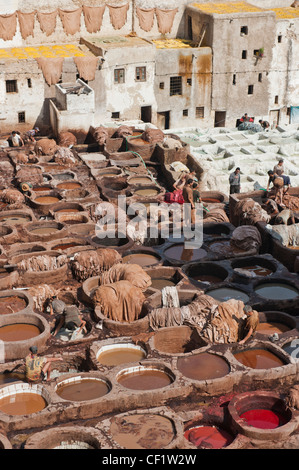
x: 173, y: 144
x: 179, y: 167
x: 123, y: 131
x: 65, y: 139
x: 246, y: 237
x: 93, y: 262
x: 100, y: 135
x: 64, y: 156
x: 31, y: 174
x: 13, y: 197
x: 250, y: 126
x: 250, y: 212
x: 42, y: 263
x: 120, y: 301
x: 291, y: 202
x: 41, y: 294
x: 292, y: 399
x: 45, y: 147
x: 133, y: 273
x: 216, y: 215
x: 153, y: 136
x: 287, y: 235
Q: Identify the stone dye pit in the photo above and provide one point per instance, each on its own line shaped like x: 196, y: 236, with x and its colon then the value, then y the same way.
x: 153, y: 380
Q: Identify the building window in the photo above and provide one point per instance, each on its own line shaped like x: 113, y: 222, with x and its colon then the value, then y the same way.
x: 161, y: 85
x: 250, y: 90
x: 234, y: 79
x: 140, y: 74
x: 115, y: 115
x: 276, y: 99
x: 189, y: 81
x: 185, y: 112
x: 244, y: 30
x: 175, y: 86
x: 11, y: 86
x: 279, y: 38
x: 288, y: 111
x: 21, y: 117
x: 244, y: 54
x: 260, y: 77
x: 29, y: 82
x: 119, y: 76
x: 200, y: 112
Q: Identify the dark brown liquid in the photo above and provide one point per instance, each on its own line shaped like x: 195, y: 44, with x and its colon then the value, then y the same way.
x: 11, y: 304
x: 180, y: 253
x: 258, y: 270
x: 65, y: 246
x: 149, y: 379
x: 271, y: 327
x: 142, y: 431
x: 18, y: 332
x: 140, y: 258
x: 46, y: 199
x: 139, y: 141
x: 83, y: 390
x: 224, y: 248
x: 203, y: 366
x: 41, y: 188
x: 120, y: 355
x: 69, y: 185
x: 258, y: 359
x: 210, y: 199
x: 160, y: 283
x: 68, y: 210
x: 22, y: 404
x: 207, y: 278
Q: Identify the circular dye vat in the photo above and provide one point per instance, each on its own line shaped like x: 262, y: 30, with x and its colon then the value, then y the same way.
x: 65, y: 246
x: 82, y: 389
x: 208, y: 278
x: 142, y: 378
x: 276, y: 291
x: 12, y: 304
x: 203, y: 366
x: 44, y: 230
x: 225, y: 293
x: 160, y: 283
x: 18, y: 332
x: 69, y: 185
x: 67, y: 210
x: 15, y: 219
x: 292, y: 348
x: 147, y: 192
x: 113, y: 355
x: 258, y: 270
x: 208, y: 437
x: 22, y: 403
x: 224, y: 248
x: 142, y: 431
x: 143, y: 259
x: 140, y: 180
x: 268, y: 328
x: 46, y: 200
x: 212, y: 200
x: 180, y: 253
x: 259, y: 359
x: 263, y: 418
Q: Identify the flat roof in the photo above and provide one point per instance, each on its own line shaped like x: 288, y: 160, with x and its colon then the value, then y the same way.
x: 286, y: 12
x: 32, y: 52
x: 173, y: 43
x: 227, y: 8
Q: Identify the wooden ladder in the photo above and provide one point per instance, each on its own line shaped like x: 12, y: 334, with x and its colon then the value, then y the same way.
x: 202, y: 33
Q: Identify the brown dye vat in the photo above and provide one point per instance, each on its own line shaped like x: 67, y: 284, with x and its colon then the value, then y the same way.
x: 46, y: 200
x: 146, y: 192
x: 145, y: 379
x: 224, y: 248
x: 40, y: 188
x: 67, y: 210
x: 140, y: 180
x: 14, y: 219
x: 226, y: 293
x: 85, y: 389
x: 176, y: 340
x: 69, y: 185
x: 18, y: 332
x: 272, y: 327
x: 138, y: 141
x: 208, y: 278
x: 160, y: 283
x: 211, y: 200
x: 258, y: 270
x: 44, y: 230
x: 65, y: 246
x: 180, y: 253
x: 142, y: 431
x: 120, y: 355
x: 12, y: 304
x: 142, y: 259
x: 259, y: 359
x: 22, y: 404
x: 203, y: 366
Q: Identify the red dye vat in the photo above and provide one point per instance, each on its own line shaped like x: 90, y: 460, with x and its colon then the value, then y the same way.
x: 208, y: 437
x: 263, y: 419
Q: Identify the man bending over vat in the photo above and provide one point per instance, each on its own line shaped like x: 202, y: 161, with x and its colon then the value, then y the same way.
x: 251, y: 324
x: 70, y: 317
x: 37, y: 367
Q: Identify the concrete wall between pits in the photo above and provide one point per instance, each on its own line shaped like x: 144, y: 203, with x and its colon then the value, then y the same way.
x: 69, y: 437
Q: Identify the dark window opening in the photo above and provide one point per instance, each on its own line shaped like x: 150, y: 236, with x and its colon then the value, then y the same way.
x: 288, y: 111
x: 190, y: 32
x: 244, y: 30
x: 185, y: 112
x: 276, y: 99
x: 175, y: 86
x: 141, y: 74
x: 119, y: 76
x: 189, y: 81
x: 161, y: 85
x: 115, y: 115
x: 279, y: 38
x: 200, y: 112
x: 29, y: 82
x: 11, y: 86
x: 21, y: 117
x: 260, y: 77
x: 256, y: 51
x: 234, y: 79
x: 244, y: 54
x: 250, y: 90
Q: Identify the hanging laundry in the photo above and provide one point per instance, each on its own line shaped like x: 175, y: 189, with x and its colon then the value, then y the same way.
x: 47, y: 21
x: 93, y: 17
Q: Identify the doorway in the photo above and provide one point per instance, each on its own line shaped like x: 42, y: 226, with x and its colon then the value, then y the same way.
x: 146, y: 113
x: 274, y: 118
x: 163, y: 120
x: 220, y: 117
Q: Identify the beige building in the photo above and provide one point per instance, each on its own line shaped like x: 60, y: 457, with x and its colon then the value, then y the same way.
x: 173, y: 63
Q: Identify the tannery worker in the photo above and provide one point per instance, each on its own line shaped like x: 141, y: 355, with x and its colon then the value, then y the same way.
x: 37, y: 367
x: 70, y: 316
x: 235, y: 181
x: 251, y: 323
